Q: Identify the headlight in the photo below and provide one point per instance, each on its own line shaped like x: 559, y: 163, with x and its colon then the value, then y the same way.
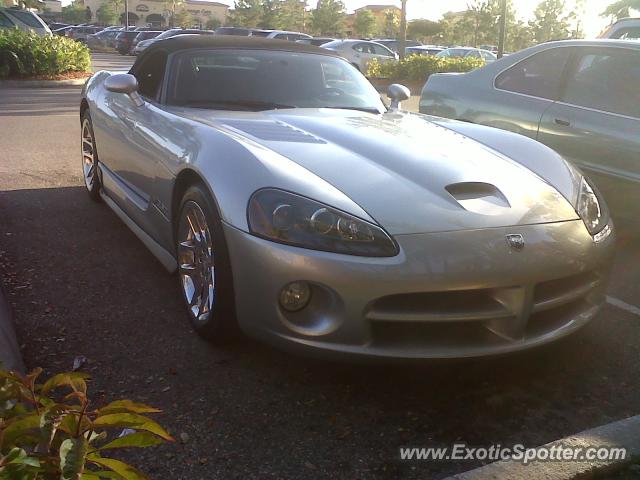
x: 591, y: 209
x: 295, y: 220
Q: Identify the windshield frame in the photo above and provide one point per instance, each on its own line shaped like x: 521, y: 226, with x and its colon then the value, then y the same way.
x: 174, y: 57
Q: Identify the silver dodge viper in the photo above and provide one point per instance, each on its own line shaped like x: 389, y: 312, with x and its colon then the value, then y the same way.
x: 298, y: 208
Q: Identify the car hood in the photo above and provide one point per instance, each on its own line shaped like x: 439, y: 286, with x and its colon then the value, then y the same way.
x: 409, y: 174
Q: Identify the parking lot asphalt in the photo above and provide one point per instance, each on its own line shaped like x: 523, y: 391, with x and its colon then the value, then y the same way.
x: 81, y: 284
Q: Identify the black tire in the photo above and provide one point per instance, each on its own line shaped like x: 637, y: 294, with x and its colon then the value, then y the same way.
x: 93, y: 189
x: 220, y: 325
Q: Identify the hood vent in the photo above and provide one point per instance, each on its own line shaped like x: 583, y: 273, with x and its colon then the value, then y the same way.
x: 272, y: 131
x: 478, y: 197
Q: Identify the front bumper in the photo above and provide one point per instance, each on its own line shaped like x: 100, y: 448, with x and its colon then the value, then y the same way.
x: 446, y: 295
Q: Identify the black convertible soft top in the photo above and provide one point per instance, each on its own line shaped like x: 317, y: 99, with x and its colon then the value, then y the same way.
x: 186, y: 42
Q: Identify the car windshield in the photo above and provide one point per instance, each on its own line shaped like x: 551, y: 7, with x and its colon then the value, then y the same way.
x: 27, y: 18
x: 265, y: 80
x: 167, y: 34
x: 454, y: 52
x: 333, y: 45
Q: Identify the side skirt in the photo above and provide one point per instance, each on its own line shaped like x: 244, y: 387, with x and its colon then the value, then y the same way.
x: 167, y: 260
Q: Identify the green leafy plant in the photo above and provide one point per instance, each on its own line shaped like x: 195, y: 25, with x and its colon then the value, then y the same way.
x: 26, y: 54
x: 50, y: 431
x: 420, y: 67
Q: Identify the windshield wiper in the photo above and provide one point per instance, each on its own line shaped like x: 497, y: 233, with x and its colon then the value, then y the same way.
x: 251, y: 105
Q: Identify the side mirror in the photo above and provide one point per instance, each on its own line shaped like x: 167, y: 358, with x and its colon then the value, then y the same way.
x: 397, y: 93
x: 124, y: 83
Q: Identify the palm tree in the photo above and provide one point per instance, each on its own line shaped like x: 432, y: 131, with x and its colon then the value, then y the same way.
x: 172, y: 6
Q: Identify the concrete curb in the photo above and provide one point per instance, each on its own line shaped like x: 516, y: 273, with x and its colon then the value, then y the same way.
x: 623, y: 433
x: 74, y: 82
x: 10, y: 355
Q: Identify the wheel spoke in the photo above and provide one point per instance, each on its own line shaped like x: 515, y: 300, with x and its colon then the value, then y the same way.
x: 195, y: 257
x: 194, y: 230
x: 88, y: 157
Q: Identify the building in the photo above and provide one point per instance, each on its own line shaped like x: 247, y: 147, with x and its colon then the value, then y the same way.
x: 379, y: 11
x: 53, y: 6
x: 156, y: 13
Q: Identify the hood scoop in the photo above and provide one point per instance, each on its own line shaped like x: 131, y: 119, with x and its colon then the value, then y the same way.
x: 478, y: 197
x: 272, y: 131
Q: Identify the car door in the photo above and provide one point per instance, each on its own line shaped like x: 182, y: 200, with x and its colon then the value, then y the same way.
x: 382, y: 53
x: 522, y: 93
x: 134, y: 162
x: 363, y: 54
x: 596, y: 122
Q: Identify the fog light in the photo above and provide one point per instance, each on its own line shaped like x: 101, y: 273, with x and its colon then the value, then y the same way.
x: 295, y: 296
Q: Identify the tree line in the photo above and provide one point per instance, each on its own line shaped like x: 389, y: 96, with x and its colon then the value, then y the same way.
x: 478, y: 25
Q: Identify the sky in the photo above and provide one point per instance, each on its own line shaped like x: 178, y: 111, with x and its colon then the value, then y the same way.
x: 433, y: 9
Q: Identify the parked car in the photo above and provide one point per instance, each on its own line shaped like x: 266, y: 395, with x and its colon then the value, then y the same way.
x: 392, y: 44
x: 624, y: 29
x: 580, y: 98
x: 361, y: 52
x: 452, y: 240
x: 237, y: 31
x: 124, y: 41
x: 423, y: 50
x: 468, y: 52
x: 23, y: 20
x: 56, y: 25
x: 144, y: 44
x: 280, y: 35
x: 103, y: 39
x: 62, y: 31
x: 80, y: 34
x: 317, y: 41
x: 143, y: 35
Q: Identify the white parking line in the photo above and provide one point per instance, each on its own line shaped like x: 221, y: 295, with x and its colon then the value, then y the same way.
x: 623, y: 306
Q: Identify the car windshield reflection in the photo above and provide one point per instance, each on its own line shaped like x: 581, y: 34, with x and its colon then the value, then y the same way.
x: 264, y: 80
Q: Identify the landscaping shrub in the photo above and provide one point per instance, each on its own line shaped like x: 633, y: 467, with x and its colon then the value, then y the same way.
x: 25, y: 54
x: 51, y: 431
x: 420, y: 67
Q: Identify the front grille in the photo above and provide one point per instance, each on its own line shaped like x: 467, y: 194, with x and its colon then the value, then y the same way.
x: 482, y: 316
x: 563, y: 291
x: 453, y: 306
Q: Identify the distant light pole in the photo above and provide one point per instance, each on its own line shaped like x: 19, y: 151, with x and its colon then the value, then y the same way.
x: 402, y: 41
x: 503, y: 28
x: 126, y: 15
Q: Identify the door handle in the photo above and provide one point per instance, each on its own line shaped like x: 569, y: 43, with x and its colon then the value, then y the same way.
x: 562, y: 123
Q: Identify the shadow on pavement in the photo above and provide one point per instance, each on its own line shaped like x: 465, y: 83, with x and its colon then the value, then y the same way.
x: 82, y: 284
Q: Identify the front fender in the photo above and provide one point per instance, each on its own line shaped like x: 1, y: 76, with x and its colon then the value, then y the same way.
x: 233, y: 167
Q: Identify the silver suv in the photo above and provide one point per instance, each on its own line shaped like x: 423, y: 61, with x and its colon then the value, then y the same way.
x: 23, y: 20
x: 625, y: 29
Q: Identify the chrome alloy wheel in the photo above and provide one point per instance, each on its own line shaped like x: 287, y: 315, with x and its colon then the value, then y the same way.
x: 89, y: 158
x: 195, y: 257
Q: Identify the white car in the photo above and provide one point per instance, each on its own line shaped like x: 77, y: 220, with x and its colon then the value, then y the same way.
x: 280, y: 35
x: 144, y: 44
x: 23, y: 20
x: 468, y: 52
x: 361, y: 52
